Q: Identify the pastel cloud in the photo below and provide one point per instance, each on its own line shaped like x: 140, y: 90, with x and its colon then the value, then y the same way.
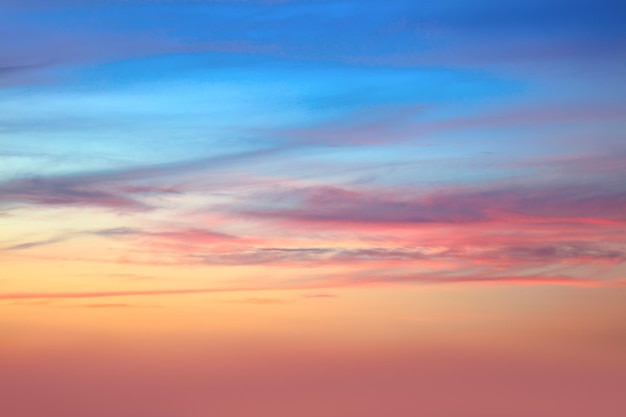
x: 517, y: 254
x: 157, y: 242
x: 111, y: 233
x: 45, y: 192
x: 360, y: 280
x: 117, y: 189
x: 512, y: 203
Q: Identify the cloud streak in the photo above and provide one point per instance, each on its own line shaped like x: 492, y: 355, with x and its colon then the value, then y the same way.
x: 361, y: 280
x: 113, y: 189
x: 112, y: 233
x: 552, y: 203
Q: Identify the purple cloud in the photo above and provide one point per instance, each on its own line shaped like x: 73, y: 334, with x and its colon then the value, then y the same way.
x: 568, y: 202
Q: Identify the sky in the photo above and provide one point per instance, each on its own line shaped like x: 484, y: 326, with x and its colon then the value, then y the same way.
x: 278, y: 208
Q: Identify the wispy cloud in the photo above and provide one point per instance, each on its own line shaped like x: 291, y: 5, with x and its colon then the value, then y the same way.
x: 113, y: 232
x: 601, y: 202
x: 394, y: 124
x: 106, y: 306
x: 34, y: 244
x: 359, y: 280
x: 319, y: 296
x: 263, y: 301
x: 113, y: 189
x: 109, y: 294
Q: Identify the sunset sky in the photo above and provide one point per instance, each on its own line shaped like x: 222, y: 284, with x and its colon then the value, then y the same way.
x: 312, y: 208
